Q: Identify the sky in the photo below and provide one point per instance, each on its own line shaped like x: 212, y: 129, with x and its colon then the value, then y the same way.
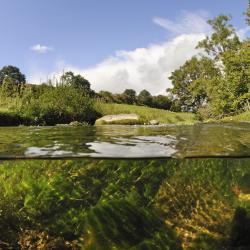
x: 115, y: 44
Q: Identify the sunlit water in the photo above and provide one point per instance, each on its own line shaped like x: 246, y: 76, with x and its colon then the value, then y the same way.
x: 125, y: 187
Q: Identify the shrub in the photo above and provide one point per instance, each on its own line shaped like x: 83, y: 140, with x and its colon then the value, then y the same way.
x: 62, y: 104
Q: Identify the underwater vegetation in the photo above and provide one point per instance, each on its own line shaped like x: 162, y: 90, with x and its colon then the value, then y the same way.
x: 118, y: 204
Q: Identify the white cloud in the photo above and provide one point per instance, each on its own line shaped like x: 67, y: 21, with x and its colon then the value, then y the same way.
x: 149, y: 67
x: 42, y: 49
x: 242, y: 33
x: 142, y: 68
x: 187, y: 22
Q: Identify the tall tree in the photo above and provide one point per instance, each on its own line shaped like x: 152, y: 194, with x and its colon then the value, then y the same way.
x: 191, y: 82
x: 129, y: 96
x: 162, y: 102
x: 145, y: 98
x: 247, y: 13
x: 14, y: 73
x: 237, y: 74
x: 223, y: 37
x: 76, y: 81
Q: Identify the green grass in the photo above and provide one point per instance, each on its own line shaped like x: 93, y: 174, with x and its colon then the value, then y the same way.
x: 146, y: 114
x: 243, y: 117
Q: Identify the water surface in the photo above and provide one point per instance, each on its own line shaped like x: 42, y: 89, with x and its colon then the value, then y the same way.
x: 172, y: 141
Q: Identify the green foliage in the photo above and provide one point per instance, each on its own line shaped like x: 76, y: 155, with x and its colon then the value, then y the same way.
x: 121, y: 225
x: 145, y: 98
x: 223, y: 38
x: 45, y: 104
x: 60, y: 199
x: 12, y: 119
x: 14, y: 73
x: 247, y: 13
x: 191, y: 82
x: 215, y: 85
x: 77, y: 82
x: 9, y: 87
x: 162, y: 102
x: 62, y: 104
x: 106, y: 96
x: 92, y: 204
x: 129, y: 96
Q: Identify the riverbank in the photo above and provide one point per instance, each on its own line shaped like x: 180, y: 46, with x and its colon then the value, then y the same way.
x: 10, y: 117
x: 243, y: 117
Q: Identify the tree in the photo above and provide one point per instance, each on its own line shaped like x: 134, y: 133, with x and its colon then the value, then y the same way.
x: 191, y: 82
x: 247, y: 13
x: 162, y: 102
x: 9, y: 87
x: 223, y: 38
x: 129, y: 96
x: 106, y: 96
x: 145, y: 98
x: 216, y: 85
x: 237, y: 74
x: 76, y: 81
x: 14, y: 73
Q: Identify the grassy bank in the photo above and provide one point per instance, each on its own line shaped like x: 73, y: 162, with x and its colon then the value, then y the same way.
x: 60, y: 105
x: 243, y: 117
x: 145, y: 113
x: 45, y: 112
x: 143, y: 204
x: 64, y: 105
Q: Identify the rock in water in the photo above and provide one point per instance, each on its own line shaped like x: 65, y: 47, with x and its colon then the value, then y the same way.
x: 123, y: 119
x: 154, y: 122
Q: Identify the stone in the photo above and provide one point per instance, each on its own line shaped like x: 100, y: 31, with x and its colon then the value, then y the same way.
x: 154, y: 122
x: 78, y: 124
x: 122, y: 119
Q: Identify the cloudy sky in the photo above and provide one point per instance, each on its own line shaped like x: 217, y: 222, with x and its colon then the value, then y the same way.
x: 115, y: 44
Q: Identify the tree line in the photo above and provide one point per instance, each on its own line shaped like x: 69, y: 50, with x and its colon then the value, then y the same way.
x: 144, y: 98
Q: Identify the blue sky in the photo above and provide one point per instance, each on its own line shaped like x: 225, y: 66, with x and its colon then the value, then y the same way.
x: 107, y: 41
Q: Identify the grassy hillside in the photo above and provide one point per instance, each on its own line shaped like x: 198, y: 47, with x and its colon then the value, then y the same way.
x: 145, y: 113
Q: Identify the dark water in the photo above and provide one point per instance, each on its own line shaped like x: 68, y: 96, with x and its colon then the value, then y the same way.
x: 125, y: 187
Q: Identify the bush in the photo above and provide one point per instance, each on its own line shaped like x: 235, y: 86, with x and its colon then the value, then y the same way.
x: 62, y: 104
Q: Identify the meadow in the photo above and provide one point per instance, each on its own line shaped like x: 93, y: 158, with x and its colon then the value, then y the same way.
x: 146, y: 114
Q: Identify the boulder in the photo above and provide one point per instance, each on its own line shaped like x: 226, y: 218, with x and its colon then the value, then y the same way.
x: 123, y: 119
x: 154, y: 122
